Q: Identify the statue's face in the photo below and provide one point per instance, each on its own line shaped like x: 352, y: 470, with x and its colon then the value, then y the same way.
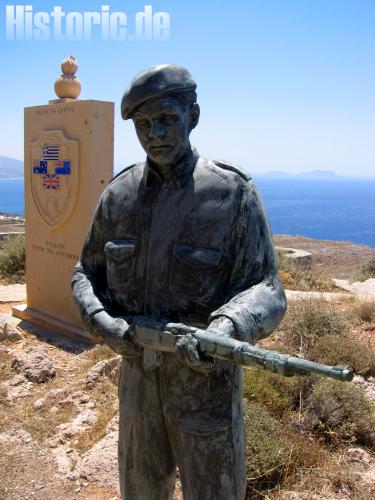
x: 163, y: 127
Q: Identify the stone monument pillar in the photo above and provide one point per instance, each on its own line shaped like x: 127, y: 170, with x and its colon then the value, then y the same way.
x: 68, y: 162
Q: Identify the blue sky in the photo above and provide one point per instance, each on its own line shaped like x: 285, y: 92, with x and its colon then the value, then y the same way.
x: 283, y: 84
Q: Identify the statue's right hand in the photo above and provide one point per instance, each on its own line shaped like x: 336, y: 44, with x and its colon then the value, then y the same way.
x: 115, y: 333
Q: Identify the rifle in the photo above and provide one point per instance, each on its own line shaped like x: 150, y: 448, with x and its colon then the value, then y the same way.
x: 162, y: 336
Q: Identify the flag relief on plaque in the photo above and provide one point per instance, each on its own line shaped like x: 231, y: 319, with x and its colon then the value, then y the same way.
x: 54, y: 176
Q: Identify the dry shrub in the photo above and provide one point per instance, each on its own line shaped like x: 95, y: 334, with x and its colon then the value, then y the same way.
x: 365, y: 311
x: 295, y: 278
x: 12, y: 258
x: 308, y: 320
x: 365, y: 272
x: 340, y: 413
x: 274, y: 456
x: 309, y: 281
x: 334, y: 350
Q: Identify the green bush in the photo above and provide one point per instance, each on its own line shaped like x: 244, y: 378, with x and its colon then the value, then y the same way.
x: 273, y: 454
x: 12, y: 258
x: 308, y: 320
x: 334, y: 350
x: 258, y: 388
x: 340, y: 413
x: 266, y: 450
x: 366, y: 271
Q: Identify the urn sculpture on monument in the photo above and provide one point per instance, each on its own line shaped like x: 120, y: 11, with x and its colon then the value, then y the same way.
x: 67, y: 86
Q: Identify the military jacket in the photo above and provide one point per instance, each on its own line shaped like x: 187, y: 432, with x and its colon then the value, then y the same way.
x: 187, y: 245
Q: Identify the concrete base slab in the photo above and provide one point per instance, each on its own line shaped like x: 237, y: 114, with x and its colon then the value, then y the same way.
x: 52, y: 324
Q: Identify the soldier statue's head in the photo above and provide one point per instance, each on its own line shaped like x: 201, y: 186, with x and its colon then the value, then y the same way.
x: 162, y: 103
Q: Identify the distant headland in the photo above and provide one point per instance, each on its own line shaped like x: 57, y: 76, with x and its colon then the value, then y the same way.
x: 10, y: 168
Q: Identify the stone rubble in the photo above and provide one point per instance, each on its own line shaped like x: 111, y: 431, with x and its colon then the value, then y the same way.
x: 100, y: 464
x: 79, y: 424
x: 17, y: 387
x: 107, y: 368
x: 358, y: 455
x: 367, y: 385
x: 35, y: 364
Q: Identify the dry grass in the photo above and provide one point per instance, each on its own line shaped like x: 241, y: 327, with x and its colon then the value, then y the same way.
x: 97, y: 353
x: 105, y: 395
x: 307, y: 280
x: 332, y: 477
x: 41, y: 424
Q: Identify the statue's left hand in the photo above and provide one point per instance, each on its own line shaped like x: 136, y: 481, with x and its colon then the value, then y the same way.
x: 187, y: 346
x: 188, y: 354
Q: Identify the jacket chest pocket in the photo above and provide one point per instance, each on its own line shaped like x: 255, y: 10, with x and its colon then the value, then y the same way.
x: 120, y: 261
x: 197, y: 273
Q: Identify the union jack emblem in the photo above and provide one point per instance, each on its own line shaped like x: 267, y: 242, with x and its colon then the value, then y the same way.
x: 51, y: 152
x: 51, y: 181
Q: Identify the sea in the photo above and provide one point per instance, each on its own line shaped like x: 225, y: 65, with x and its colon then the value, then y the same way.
x: 337, y: 208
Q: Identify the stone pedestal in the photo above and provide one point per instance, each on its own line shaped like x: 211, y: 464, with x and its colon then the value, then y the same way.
x: 68, y: 163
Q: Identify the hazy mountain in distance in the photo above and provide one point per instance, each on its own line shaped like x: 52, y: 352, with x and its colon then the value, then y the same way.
x: 315, y: 174
x: 10, y: 168
x: 321, y: 174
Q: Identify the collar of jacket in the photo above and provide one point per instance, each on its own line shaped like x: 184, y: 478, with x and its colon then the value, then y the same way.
x: 178, y: 173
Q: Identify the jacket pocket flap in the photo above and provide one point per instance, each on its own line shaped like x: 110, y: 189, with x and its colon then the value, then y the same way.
x: 120, y: 249
x: 198, y: 257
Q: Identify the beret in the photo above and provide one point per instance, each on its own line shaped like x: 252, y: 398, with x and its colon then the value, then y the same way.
x: 154, y: 82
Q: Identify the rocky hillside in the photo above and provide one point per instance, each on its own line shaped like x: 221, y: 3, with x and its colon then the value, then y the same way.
x: 307, y: 438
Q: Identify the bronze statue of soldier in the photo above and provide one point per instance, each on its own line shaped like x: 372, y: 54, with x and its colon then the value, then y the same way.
x: 184, y: 239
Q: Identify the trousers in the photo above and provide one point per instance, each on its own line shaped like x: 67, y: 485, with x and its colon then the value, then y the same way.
x: 173, y: 416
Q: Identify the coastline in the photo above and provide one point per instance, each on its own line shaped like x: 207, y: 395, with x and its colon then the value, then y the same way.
x: 336, y: 258
x: 9, y: 218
